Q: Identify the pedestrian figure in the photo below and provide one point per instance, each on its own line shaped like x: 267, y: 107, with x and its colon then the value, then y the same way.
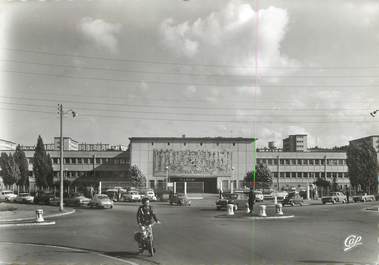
x: 347, y: 195
x: 251, y: 200
x: 91, y: 192
x: 220, y: 194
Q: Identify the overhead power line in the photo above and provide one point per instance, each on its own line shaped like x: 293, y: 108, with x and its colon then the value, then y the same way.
x: 159, y: 62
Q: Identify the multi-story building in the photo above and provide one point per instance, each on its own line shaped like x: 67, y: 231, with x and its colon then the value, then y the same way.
x: 295, y: 143
x: 7, y: 145
x: 208, y: 164
x: 68, y: 144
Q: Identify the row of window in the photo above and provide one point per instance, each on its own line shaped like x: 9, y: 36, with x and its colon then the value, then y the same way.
x: 88, y: 161
x: 311, y: 175
x: 201, y: 144
x: 306, y: 162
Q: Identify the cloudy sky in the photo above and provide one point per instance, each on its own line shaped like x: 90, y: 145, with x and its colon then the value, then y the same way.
x: 134, y: 68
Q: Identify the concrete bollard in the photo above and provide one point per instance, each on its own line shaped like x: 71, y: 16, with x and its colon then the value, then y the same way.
x: 247, y: 208
x: 262, y: 210
x: 230, y: 208
x: 275, y: 200
x: 279, y: 209
x: 39, y: 216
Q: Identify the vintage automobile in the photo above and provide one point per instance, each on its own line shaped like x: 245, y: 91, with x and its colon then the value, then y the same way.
x: 101, y: 201
x: 364, y: 198
x: 334, y: 198
x: 77, y: 199
x: 46, y: 198
x: 293, y: 199
x: 258, y: 196
x: 149, y: 194
x: 24, y: 198
x: 131, y: 196
x: 179, y: 199
x: 238, y: 199
x: 113, y: 194
x: 7, y: 195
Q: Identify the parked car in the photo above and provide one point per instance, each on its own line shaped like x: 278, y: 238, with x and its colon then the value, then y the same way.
x: 24, y: 198
x: 364, y: 198
x: 46, y: 198
x: 268, y: 194
x: 112, y: 194
x: 149, y: 194
x: 334, y: 197
x: 101, y: 201
x: 238, y: 199
x: 7, y: 195
x: 131, y: 196
x: 77, y: 199
x: 293, y: 199
x: 179, y: 199
x: 258, y: 196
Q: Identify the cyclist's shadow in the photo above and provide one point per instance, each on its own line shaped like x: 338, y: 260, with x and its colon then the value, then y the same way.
x: 130, y: 254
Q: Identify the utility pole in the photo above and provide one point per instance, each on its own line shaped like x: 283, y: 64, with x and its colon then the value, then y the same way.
x: 61, y: 158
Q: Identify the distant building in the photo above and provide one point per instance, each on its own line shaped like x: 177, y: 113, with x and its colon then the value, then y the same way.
x: 271, y: 145
x: 7, y: 145
x: 68, y: 144
x: 295, y: 143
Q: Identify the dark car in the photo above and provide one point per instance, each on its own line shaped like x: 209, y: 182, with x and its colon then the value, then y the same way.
x: 179, y: 199
x: 239, y: 200
x: 293, y: 199
x: 46, y: 198
x: 77, y: 199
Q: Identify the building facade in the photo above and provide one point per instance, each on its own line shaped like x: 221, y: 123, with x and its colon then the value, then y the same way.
x: 295, y: 143
x: 372, y: 140
x: 204, y: 164
x: 7, y: 145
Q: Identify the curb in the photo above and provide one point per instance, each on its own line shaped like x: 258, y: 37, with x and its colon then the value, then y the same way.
x: 255, y: 217
x: 32, y: 218
x: 27, y: 224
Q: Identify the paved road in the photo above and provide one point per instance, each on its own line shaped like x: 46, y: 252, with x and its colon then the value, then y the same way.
x: 193, y: 235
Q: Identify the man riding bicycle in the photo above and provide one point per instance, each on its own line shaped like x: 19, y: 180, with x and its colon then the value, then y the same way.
x: 145, y: 218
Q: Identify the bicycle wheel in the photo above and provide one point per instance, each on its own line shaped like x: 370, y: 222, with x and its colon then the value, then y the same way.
x: 150, y: 246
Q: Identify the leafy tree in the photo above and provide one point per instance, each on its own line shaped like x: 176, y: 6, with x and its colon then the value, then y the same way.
x: 9, y: 168
x: 22, y: 163
x: 137, y: 178
x: 263, y: 177
x: 50, y: 173
x: 42, y: 166
x: 362, y: 165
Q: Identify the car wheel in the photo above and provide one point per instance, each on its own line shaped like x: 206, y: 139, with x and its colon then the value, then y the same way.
x: 323, y: 202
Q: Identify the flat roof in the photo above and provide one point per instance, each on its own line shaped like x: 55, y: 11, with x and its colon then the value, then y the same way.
x: 192, y: 139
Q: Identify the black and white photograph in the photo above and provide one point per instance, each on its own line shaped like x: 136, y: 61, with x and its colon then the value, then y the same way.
x: 189, y: 132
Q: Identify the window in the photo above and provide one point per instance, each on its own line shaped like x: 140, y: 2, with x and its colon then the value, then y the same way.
x: 287, y: 161
x: 299, y: 162
x: 323, y: 162
x: 305, y: 175
x: 185, y: 144
x: 269, y: 161
x: 67, y: 160
x: 305, y: 161
x: 234, y: 144
x: 311, y: 161
x: 91, y: 160
x: 288, y: 174
x: 80, y: 161
x: 85, y: 160
x: 168, y: 143
x: 339, y: 174
x: 317, y: 161
x: 98, y: 160
x: 282, y: 161
x: 73, y: 161
x: 275, y: 174
x: 103, y: 161
x: 329, y: 175
x: 299, y: 174
x: 341, y: 162
x: 201, y: 144
x: 281, y: 174
x: 152, y: 143
x: 293, y: 161
x: 275, y: 162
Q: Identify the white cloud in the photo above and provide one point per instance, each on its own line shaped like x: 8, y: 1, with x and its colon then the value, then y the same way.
x: 104, y: 34
x: 229, y: 37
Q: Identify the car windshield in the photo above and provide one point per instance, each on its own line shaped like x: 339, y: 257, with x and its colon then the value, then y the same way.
x: 23, y: 194
x: 7, y: 192
x: 102, y: 197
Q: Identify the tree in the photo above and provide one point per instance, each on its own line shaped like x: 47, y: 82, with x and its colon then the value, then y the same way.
x: 42, y: 166
x: 362, y: 166
x: 22, y: 163
x: 10, y: 171
x: 323, y: 184
x: 137, y: 178
x: 263, y: 177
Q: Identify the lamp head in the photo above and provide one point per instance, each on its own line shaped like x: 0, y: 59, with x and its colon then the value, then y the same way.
x: 373, y: 113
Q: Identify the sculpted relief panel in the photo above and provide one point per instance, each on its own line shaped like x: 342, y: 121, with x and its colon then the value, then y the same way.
x: 190, y: 162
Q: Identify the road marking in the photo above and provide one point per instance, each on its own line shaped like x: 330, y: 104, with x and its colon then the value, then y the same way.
x: 27, y: 224
x: 71, y: 249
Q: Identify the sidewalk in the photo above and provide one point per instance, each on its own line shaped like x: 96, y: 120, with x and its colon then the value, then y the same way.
x: 12, y: 212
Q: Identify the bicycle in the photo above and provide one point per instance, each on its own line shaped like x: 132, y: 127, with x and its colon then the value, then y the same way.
x: 145, y: 239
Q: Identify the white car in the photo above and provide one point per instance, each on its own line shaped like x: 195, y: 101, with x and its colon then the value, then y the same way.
x: 132, y: 196
x: 7, y: 195
x: 101, y: 201
x: 150, y: 195
x: 24, y: 198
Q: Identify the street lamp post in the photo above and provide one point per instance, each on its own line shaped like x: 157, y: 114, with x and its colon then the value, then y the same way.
x: 373, y: 115
x: 61, y: 113
x: 167, y: 178
x: 232, y: 182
